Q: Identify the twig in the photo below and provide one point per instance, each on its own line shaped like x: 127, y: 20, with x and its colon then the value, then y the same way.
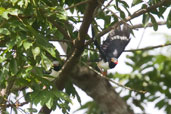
x: 118, y: 84
x: 65, y: 33
x: 141, y: 49
x: 141, y: 38
x: 63, y: 40
x: 107, y: 5
x: 77, y: 4
x: 148, y: 25
x: 118, y: 17
x: 17, y: 104
x: 148, y: 48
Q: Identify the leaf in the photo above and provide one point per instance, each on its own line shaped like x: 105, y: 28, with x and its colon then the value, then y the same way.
x: 4, y: 31
x: 46, y: 63
x: 169, y: 20
x: 124, y: 4
x: 145, y: 19
x: 153, y: 20
x: 13, y: 11
x: 42, y: 41
x: 135, y: 2
x: 36, y: 52
x: 49, y: 104
x: 3, y: 13
x: 31, y: 109
x: 27, y: 45
x: 13, y: 66
x: 160, y: 104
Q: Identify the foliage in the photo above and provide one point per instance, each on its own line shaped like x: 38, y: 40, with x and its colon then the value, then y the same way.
x: 150, y: 73
x: 28, y: 26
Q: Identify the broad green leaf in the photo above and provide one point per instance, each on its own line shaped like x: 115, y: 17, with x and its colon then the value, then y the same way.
x: 160, y: 104
x: 153, y: 20
x: 46, y: 62
x: 49, y: 104
x: 169, y: 20
x: 31, y: 109
x: 2, y: 58
x: 13, y: 66
x: 4, y: 31
x: 42, y: 41
x: 14, y: 2
x: 2, y: 10
x: 36, y: 52
x: 135, y: 2
x: 13, y: 11
x: 27, y: 45
x: 21, y: 3
x: 145, y: 19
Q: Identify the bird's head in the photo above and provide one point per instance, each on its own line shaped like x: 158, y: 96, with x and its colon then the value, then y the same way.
x: 113, y: 62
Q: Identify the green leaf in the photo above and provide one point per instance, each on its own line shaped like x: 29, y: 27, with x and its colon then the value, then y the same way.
x: 49, y: 104
x: 2, y: 58
x: 42, y: 41
x: 135, y: 2
x: 31, y: 109
x: 4, y: 31
x: 36, y: 52
x: 160, y: 104
x: 2, y: 10
x: 145, y: 19
x: 13, y: 66
x: 13, y: 11
x: 169, y: 20
x: 46, y: 63
x: 27, y: 45
x: 153, y: 20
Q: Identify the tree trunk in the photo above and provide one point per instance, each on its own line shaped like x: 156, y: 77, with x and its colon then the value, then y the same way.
x: 101, y: 91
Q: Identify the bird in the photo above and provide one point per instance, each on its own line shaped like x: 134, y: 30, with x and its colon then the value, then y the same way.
x: 113, y: 46
x: 54, y: 71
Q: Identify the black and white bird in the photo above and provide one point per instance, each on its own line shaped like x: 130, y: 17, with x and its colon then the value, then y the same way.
x: 54, y: 71
x: 113, y: 47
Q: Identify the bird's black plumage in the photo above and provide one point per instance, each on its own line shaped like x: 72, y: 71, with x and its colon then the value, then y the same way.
x: 114, y: 45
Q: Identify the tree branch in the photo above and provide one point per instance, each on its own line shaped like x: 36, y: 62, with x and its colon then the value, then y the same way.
x: 116, y: 83
x: 73, y: 60
x: 66, y: 35
x: 147, y: 48
x: 148, y: 25
x: 75, y: 5
x: 101, y: 91
x: 134, y: 15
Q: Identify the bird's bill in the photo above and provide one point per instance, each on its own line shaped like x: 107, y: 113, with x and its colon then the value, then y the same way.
x: 114, y: 60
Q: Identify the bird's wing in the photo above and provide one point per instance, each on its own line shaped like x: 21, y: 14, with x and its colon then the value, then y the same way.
x: 116, y: 42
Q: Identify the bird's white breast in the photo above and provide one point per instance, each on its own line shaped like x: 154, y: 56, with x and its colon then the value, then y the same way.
x: 103, y: 65
x: 53, y: 75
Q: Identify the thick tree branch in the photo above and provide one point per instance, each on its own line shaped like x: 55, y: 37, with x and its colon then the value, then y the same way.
x: 72, y: 61
x: 101, y: 91
x: 116, y: 83
x: 88, y: 17
x: 74, y: 58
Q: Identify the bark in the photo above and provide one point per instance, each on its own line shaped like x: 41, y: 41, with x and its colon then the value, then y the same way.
x: 101, y: 91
